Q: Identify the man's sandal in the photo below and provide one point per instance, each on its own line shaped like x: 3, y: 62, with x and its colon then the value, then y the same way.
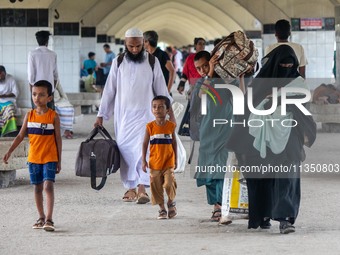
x: 39, y: 224
x: 130, y: 196
x: 142, y: 198
x: 216, y: 215
x: 172, y: 213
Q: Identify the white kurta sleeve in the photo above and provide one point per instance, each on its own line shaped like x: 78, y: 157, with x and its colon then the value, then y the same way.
x: 14, y: 87
x: 107, y: 103
x: 30, y: 69
x: 55, y: 69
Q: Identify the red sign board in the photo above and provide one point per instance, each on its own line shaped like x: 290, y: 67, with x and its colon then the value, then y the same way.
x: 311, y: 23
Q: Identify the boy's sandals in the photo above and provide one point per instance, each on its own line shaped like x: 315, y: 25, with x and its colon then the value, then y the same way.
x: 142, y: 198
x: 39, y: 224
x: 162, y: 215
x: 216, y: 215
x: 172, y: 210
x: 130, y: 196
x: 49, y: 225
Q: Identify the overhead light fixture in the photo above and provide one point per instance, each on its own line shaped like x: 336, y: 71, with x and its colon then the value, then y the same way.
x: 12, y: 1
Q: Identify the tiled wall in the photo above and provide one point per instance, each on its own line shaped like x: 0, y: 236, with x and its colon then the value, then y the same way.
x: 15, y: 43
x: 87, y: 45
x: 319, y: 50
x: 68, y: 54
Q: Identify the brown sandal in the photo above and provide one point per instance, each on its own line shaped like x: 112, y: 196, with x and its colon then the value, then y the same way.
x: 39, y: 224
x: 49, y: 226
x: 172, y: 213
x: 216, y: 215
x: 161, y: 215
x: 130, y: 196
x: 142, y: 198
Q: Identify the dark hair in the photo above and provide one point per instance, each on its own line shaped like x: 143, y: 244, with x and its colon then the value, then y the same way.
x: 106, y: 46
x: 217, y: 41
x: 152, y: 37
x: 197, y: 39
x: 44, y: 84
x: 90, y: 70
x: 282, y: 29
x: 166, y: 100
x: 91, y: 54
x: 42, y: 37
x: 2, y: 69
x: 202, y: 54
x: 168, y: 49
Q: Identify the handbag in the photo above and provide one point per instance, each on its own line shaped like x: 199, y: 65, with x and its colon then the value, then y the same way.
x: 236, y: 55
x: 97, y: 157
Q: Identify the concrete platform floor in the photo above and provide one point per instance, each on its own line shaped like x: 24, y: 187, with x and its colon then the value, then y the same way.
x: 98, y: 222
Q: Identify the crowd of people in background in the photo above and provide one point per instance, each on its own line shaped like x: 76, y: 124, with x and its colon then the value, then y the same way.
x: 136, y: 92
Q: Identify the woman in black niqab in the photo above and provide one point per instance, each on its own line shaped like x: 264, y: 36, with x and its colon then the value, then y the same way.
x: 273, y: 196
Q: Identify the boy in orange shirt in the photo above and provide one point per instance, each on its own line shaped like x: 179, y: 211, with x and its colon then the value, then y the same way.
x: 160, y: 133
x: 44, y: 157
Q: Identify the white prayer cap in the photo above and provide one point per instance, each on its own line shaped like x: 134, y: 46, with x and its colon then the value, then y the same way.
x: 133, y: 32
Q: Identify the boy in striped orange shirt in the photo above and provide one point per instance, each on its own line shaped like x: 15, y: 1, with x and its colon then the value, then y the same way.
x: 44, y: 157
x: 160, y: 133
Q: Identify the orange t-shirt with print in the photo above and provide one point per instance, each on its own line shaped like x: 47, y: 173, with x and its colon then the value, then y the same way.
x: 43, y: 146
x: 162, y: 155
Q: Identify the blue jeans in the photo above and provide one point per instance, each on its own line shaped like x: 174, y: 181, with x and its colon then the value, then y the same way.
x: 42, y: 172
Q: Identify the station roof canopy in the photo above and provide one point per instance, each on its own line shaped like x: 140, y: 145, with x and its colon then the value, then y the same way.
x: 178, y: 21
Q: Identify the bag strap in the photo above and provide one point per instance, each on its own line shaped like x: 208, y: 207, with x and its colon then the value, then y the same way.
x: 100, y: 130
x: 120, y: 59
x: 104, y: 133
x: 93, y: 174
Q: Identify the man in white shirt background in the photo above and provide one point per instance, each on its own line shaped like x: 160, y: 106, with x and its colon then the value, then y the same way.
x: 42, y: 63
x: 282, y: 32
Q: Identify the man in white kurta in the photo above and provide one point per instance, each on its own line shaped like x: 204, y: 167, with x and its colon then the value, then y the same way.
x: 127, y: 96
x: 42, y: 63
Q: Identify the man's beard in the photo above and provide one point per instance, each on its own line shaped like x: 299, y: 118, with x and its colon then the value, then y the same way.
x: 138, y: 58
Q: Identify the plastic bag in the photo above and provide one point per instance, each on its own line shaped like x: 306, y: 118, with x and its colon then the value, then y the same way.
x: 235, y: 198
x: 177, y: 109
x: 181, y: 156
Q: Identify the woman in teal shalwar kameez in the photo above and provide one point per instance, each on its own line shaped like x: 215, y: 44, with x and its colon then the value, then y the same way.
x: 212, y: 150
